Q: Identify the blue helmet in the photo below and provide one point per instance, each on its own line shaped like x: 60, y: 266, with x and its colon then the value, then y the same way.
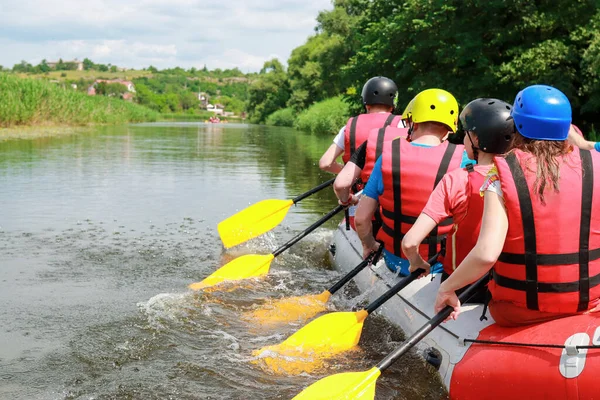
x: 542, y: 112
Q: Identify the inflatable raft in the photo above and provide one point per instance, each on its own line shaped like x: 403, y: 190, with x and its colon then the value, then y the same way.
x: 477, y: 359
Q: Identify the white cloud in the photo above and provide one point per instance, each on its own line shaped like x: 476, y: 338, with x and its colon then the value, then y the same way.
x: 166, y: 33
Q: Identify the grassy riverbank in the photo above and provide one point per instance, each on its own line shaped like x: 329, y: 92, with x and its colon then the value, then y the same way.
x: 34, y: 102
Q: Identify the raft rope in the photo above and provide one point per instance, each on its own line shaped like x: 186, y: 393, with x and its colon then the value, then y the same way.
x: 517, y: 344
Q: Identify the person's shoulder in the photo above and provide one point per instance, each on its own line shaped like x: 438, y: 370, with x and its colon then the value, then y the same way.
x: 483, y: 169
x: 456, y: 176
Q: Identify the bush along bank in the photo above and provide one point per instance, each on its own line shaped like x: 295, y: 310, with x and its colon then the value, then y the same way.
x: 36, y: 102
x: 326, y: 116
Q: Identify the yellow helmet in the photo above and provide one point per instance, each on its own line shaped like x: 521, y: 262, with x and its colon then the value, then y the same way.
x: 408, y: 110
x: 435, y: 105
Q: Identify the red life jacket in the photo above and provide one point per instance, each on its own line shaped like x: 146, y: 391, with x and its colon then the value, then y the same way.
x: 551, y: 257
x: 410, y: 173
x: 375, y: 147
x: 358, y: 129
x: 464, y: 236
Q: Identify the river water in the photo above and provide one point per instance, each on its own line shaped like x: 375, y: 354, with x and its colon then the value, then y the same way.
x: 102, y: 231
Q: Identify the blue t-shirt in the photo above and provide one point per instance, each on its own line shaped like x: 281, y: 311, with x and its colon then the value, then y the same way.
x: 374, y: 186
x: 374, y: 189
x: 597, y: 146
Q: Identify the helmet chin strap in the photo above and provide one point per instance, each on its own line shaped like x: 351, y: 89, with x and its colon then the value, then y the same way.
x: 411, y: 128
x: 475, y: 148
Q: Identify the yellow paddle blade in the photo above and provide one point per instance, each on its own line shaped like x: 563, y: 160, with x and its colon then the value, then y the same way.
x: 244, y: 267
x: 290, y: 309
x: 322, y: 338
x: 346, y: 386
x: 253, y: 221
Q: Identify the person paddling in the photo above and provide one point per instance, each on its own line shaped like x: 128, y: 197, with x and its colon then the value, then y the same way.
x: 406, y: 174
x: 361, y: 164
x: 540, y: 232
x: 488, y: 131
x: 378, y: 97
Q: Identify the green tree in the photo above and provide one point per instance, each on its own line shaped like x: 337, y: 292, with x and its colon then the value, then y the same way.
x: 88, y: 64
x: 315, y: 69
x: 43, y: 66
x: 472, y: 48
x: 23, y: 66
x: 113, y: 68
x: 189, y: 101
x: 110, y: 89
x: 590, y: 66
x: 269, y: 92
x: 60, y: 65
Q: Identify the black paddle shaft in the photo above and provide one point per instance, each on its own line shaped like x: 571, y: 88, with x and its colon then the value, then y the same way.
x: 395, y: 289
x: 429, y: 326
x: 398, y: 287
x: 308, y: 230
x: 313, y: 190
x: 373, y: 258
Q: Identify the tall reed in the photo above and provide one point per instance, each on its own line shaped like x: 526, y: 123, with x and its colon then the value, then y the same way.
x: 36, y: 102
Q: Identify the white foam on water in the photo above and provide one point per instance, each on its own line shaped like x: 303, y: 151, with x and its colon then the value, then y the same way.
x: 166, y: 307
x: 270, y: 338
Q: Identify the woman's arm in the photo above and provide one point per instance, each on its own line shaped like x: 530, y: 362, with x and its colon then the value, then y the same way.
x: 482, y: 258
x: 578, y: 140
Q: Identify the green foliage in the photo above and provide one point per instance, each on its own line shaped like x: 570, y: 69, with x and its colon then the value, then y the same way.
x: 23, y: 66
x: 37, y: 102
x: 175, y: 90
x: 476, y: 48
x: 233, y: 104
x: 43, y: 66
x: 325, y: 117
x: 88, y: 64
x: 314, y: 68
x: 283, y: 117
x: 110, y: 89
x: 269, y: 92
x: 590, y: 66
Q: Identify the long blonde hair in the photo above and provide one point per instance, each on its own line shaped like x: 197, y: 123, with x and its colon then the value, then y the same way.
x: 547, y: 154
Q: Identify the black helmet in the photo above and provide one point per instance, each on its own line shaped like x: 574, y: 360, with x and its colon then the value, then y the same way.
x: 379, y: 90
x: 490, y: 120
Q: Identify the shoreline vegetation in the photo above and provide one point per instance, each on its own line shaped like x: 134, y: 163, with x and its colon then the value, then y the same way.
x: 421, y: 45
x: 32, y: 102
x: 426, y: 46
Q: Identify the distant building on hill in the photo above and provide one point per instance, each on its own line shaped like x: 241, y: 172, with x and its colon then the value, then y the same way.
x: 216, y: 108
x: 203, y: 98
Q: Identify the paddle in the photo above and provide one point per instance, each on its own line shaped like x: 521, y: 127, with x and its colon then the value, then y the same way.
x: 259, y: 218
x: 253, y: 265
x: 361, y: 385
x: 329, y: 334
x: 307, y: 306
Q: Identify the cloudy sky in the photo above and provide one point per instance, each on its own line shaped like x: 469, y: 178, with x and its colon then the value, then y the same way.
x: 163, y: 33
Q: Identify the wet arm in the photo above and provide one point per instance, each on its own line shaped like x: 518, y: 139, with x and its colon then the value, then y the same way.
x: 328, y: 159
x: 364, y: 214
x: 344, y: 181
x: 414, y: 237
x: 577, y: 140
x: 494, y: 227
